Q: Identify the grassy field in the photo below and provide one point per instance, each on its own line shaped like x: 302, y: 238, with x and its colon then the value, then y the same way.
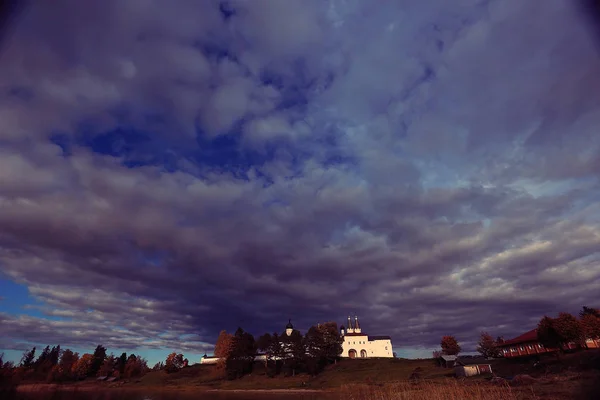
x: 334, y: 376
x: 568, y: 373
x: 574, y: 376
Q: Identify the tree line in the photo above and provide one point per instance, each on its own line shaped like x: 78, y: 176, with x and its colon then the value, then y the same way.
x: 552, y: 333
x: 58, y: 365
x: 287, y: 355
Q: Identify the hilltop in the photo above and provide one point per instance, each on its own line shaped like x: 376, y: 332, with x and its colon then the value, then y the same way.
x: 375, y: 372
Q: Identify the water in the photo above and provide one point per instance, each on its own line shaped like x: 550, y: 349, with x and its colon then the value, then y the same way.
x: 116, y: 394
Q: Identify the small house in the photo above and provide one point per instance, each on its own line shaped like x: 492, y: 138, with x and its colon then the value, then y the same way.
x: 447, y: 361
x: 472, y: 366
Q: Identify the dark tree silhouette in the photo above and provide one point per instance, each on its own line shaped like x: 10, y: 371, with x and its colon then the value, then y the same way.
x: 122, y: 362
x: 97, y: 360
x: 323, y: 345
x: 548, y: 335
x: 242, y: 355
x: 589, y: 311
x: 27, y: 359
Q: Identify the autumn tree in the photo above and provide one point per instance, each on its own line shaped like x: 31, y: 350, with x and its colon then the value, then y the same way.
x: 224, y: 345
x: 82, y: 367
x: 589, y: 319
x: 97, y: 360
x: 174, y: 362
x: 65, y: 368
x: 108, y: 366
x: 450, y: 345
x: 223, y: 349
x: 590, y: 324
x: 569, y: 328
x: 487, y: 346
x: 135, y: 366
x: 27, y: 359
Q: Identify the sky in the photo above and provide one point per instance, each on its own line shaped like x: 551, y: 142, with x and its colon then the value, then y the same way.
x: 169, y: 169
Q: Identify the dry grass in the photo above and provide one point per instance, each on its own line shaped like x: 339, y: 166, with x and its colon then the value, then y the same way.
x: 448, y: 390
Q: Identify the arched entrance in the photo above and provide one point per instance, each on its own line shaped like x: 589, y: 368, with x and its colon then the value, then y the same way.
x: 363, y: 354
x: 352, y: 353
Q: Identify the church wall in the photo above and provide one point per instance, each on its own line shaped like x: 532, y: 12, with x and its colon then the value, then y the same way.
x: 373, y: 348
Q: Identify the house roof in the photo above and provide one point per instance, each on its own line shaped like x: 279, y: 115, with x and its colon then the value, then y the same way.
x: 530, y: 336
x: 371, y: 338
x: 448, y: 358
x: 472, y: 361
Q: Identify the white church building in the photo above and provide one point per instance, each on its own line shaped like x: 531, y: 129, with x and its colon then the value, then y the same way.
x: 360, y: 345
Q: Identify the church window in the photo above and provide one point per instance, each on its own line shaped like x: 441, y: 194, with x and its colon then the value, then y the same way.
x: 386, y: 347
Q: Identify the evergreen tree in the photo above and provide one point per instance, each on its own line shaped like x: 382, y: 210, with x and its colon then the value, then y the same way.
x: 589, y: 311
x: 323, y: 345
x: 42, y: 359
x: 54, y: 355
x: 122, y: 363
x: 242, y: 355
x: 27, y: 359
x: 97, y: 360
x: 294, y: 350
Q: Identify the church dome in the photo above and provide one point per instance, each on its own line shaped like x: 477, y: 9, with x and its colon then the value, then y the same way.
x: 289, y: 325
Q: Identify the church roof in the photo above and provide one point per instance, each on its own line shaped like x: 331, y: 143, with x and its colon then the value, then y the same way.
x: 356, y: 334
x: 289, y: 325
x: 371, y: 338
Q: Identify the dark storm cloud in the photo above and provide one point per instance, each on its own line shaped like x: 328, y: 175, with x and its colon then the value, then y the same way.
x: 432, y: 166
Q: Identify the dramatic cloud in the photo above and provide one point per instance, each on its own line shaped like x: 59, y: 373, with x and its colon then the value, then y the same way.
x: 171, y: 169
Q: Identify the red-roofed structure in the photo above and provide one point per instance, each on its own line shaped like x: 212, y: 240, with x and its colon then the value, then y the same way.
x: 527, y: 344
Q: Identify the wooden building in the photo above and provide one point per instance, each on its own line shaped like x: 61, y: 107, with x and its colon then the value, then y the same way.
x: 527, y: 344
